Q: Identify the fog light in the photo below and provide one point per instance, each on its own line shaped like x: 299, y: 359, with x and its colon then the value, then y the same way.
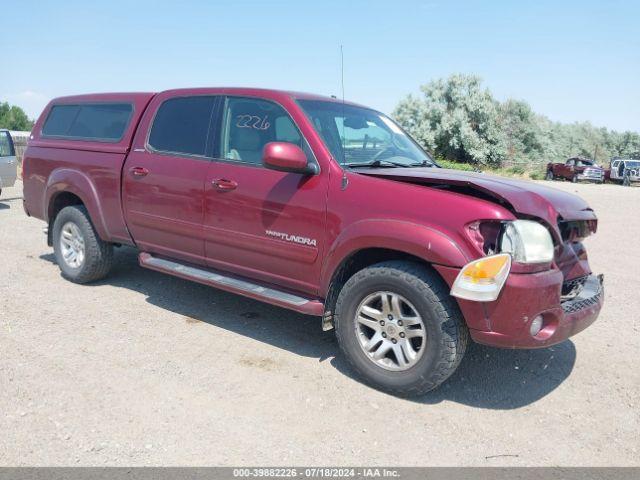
x: 536, y: 326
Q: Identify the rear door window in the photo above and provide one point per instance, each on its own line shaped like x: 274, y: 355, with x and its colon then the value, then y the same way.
x: 182, y: 125
x: 99, y: 122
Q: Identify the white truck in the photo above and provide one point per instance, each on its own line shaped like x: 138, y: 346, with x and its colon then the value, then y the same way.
x: 625, y: 171
x: 8, y: 162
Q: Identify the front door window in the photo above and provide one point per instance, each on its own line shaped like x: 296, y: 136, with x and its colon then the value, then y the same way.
x: 249, y: 124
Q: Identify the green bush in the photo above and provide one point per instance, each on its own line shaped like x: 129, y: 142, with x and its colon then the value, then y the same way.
x: 516, y: 170
x: 456, y: 165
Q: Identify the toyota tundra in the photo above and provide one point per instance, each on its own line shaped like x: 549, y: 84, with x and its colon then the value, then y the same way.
x: 320, y: 206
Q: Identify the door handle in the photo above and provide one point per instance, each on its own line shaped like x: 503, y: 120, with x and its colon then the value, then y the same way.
x: 224, y: 185
x: 138, y: 171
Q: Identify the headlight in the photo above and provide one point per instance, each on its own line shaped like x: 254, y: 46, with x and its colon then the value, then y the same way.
x: 527, y: 242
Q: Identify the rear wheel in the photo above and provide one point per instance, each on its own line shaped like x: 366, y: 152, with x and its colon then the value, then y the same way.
x: 574, y: 179
x: 81, y: 254
x: 626, y: 181
x: 399, y: 328
x: 549, y: 175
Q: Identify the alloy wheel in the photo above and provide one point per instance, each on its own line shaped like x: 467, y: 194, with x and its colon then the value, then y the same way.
x: 390, y: 331
x: 72, y: 245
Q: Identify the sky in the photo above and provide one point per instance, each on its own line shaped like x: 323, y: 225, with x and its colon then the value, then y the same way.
x: 570, y: 60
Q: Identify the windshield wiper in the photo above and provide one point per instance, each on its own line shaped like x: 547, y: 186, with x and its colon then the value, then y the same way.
x: 387, y: 163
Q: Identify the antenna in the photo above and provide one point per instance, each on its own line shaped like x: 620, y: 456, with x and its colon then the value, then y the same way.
x: 342, y: 72
x: 344, y: 157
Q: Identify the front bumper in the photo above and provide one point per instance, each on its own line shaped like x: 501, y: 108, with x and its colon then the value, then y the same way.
x: 507, y: 321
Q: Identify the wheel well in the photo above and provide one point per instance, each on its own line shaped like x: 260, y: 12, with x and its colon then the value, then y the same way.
x: 353, y: 264
x: 60, y: 201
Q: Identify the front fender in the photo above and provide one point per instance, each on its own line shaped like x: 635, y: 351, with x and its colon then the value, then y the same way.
x: 421, y: 241
x: 73, y: 181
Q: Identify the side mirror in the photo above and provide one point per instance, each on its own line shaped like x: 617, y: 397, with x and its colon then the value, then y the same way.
x: 287, y: 157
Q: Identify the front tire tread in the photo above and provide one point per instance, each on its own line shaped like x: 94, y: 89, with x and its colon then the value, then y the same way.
x: 455, y: 336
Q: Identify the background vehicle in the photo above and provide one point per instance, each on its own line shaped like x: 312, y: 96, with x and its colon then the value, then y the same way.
x: 575, y: 169
x: 320, y: 206
x: 625, y: 171
x: 8, y: 163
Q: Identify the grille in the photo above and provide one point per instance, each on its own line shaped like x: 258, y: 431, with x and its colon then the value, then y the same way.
x: 571, y: 288
x: 590, y: 172
x: 591, y: 292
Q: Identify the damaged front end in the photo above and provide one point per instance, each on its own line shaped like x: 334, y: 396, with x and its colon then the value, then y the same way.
x: 545, y: 292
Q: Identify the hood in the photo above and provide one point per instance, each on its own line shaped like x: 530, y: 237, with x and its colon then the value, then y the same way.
x: 522, y: 196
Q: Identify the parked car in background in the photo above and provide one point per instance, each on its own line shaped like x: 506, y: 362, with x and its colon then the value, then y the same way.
x: 8, y: 162
x: 625, y: 171
x: 576, y: 169
x: 321, y: 206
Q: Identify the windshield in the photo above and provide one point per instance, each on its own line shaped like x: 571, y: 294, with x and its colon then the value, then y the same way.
x: 585, y: 163
x: 359, y: 136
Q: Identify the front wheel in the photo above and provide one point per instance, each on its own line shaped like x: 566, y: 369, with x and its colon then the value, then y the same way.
x: 549, y: 175
x: 399, y: 328
x: 81, y: 254
x: 626, y: 181
x: 574, y: 179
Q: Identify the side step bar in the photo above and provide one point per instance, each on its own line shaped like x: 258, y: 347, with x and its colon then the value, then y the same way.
x: 233, y: 284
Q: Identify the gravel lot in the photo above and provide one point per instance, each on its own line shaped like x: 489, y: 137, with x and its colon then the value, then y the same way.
x: 146, y: 369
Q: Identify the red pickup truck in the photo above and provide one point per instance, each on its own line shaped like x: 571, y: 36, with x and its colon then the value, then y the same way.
x: 320, y: 206
x: 576, y: 169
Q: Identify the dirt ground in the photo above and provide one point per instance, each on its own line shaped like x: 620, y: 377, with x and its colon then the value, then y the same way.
x: 146, y: 369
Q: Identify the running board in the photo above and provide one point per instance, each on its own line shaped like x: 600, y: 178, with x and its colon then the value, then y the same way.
x: 233, y: 284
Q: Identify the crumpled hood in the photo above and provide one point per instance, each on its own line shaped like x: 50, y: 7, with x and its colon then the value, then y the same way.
x: 525, y: 197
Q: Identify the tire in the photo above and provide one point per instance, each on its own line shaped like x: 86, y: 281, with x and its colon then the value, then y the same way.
x: 446, y: 332
x: 97, y: 255
x: 574, y: 179
x: 626, y: 181
x: 549, y: 175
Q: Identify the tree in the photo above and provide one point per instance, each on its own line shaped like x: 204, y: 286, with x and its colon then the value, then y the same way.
x: 13, y: 117
x: 455, y: 118
x: 521, y: 134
